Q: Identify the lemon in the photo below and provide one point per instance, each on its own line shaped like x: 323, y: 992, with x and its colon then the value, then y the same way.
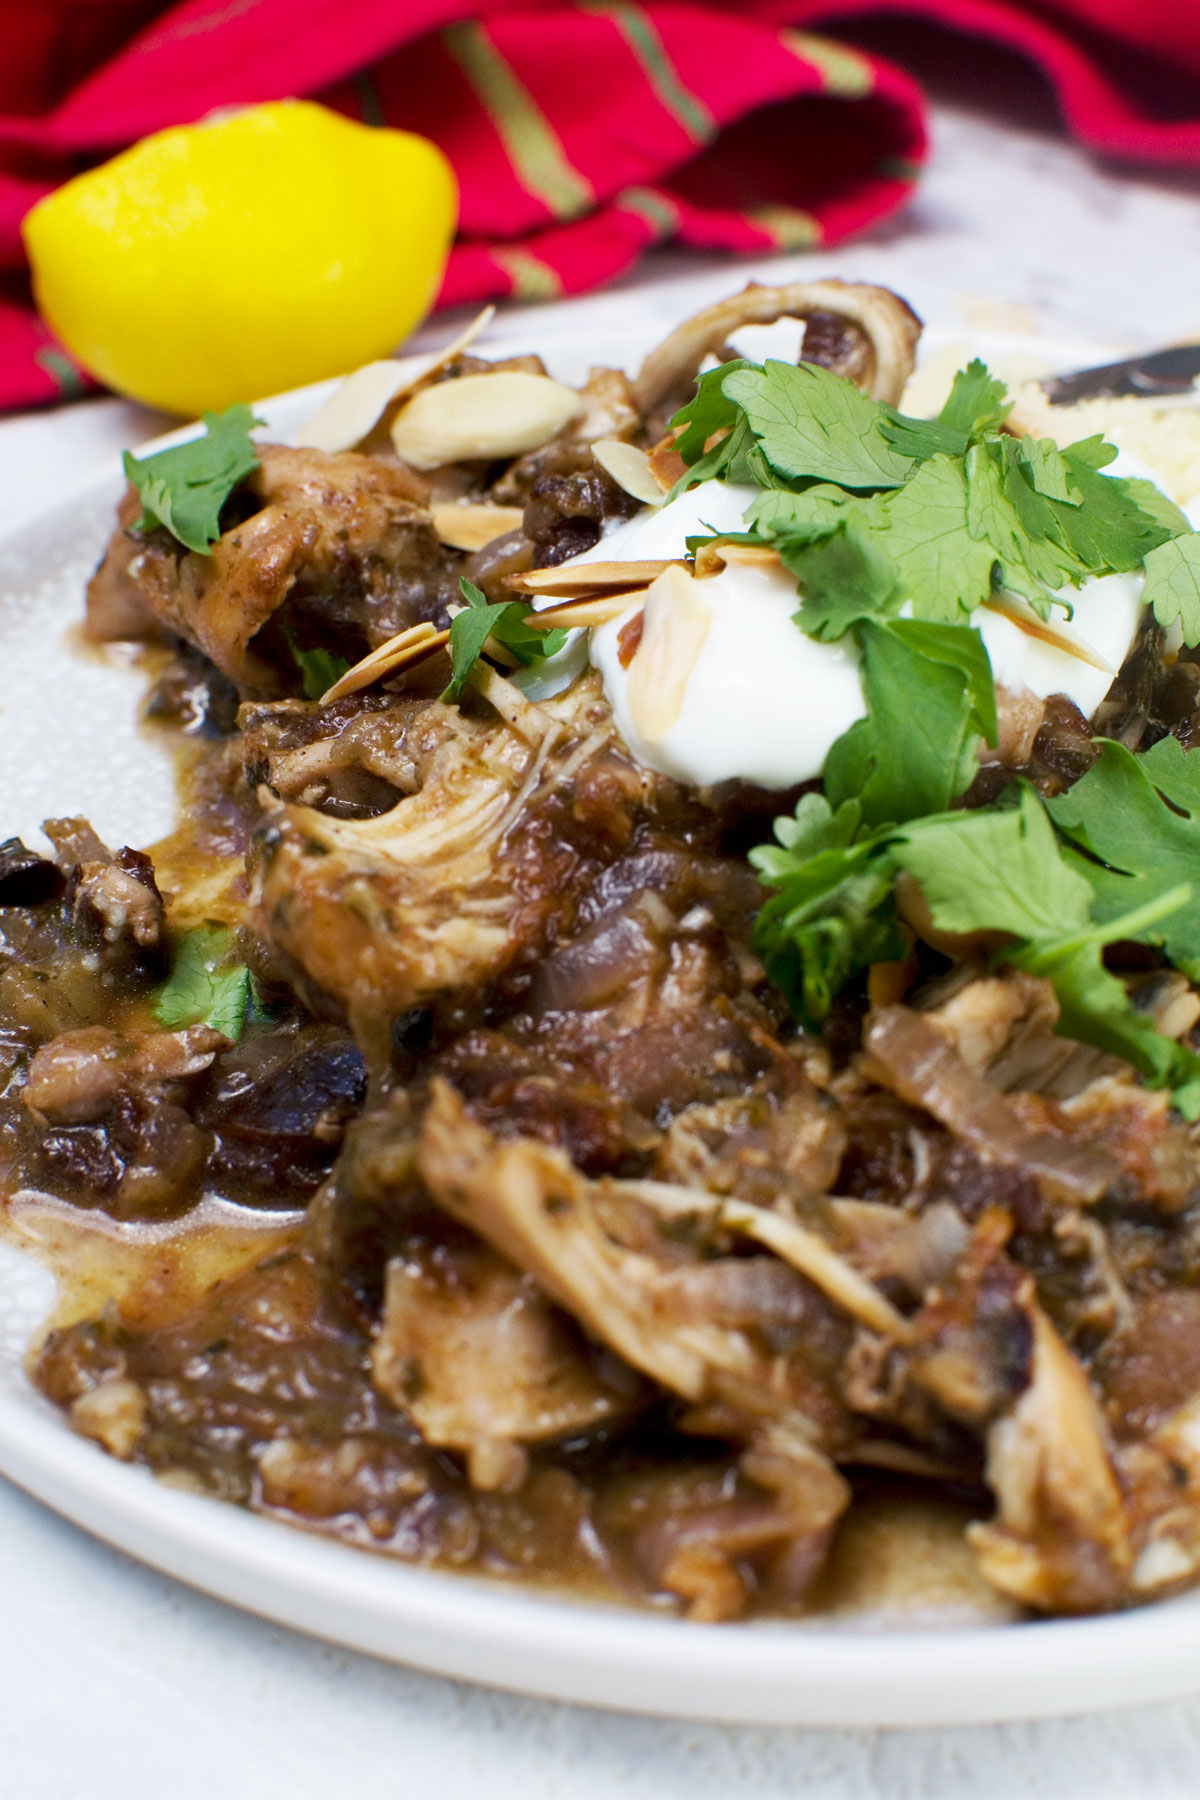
x: 252, y: 252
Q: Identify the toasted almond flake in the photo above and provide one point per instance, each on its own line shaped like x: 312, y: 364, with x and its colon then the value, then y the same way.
x: 469, y: 526
x: 400, y: 652
x: 572, y: 580
x: 677, y: 621
x: 1033, y: 627
x: 751, y: 556
x: 599, y: 609
x: 631, y: 469
x: 354, y: 409
x: 711, y: 558
x: 665, y: 461
x: 482, y: 417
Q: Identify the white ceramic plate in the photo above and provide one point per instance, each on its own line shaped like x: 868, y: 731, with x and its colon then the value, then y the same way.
x: 68, y: 743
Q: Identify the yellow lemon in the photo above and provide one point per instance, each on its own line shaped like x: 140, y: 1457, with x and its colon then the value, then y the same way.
x: 252, y: 252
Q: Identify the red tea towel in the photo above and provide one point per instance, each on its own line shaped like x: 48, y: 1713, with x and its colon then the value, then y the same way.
x: 581, y: 133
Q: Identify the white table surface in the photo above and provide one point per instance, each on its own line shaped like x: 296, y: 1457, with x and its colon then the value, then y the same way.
x: 118, y: 1682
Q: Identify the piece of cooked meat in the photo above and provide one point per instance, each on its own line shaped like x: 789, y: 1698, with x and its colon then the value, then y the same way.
x: 483, y: 1363
x: 865, y: 333
x: 340, y: 550
x: 379, y: 916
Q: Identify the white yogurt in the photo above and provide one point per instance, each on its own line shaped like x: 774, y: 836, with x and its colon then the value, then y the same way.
x: 764, y: 702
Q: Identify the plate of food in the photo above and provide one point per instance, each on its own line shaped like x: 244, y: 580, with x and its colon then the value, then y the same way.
x: 596, y: 990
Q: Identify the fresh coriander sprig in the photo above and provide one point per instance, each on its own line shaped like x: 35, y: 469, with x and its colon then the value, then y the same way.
x: 184, y: 488
x: 319, y: 669
x: 479, y: 620
x: 876, y: 513
x: 832, y: 914
x: 207, y: 984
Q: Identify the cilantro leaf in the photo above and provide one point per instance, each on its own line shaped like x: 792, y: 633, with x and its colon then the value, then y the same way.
x: 844, y: 577
x: 1004, y: 872
x: 977, y: 402
x: 206, y: 986
x: 920, y: 438
x: 1108, y: 530
x: 811, y: 423
x: 996, y: 871
x: 832, y: 914
x: 1172, y: 587
x: 1095, y: 1008
x: 902, y: 760
x: 1014, y: 522
x: 708, y: 411
x: 185, y: 487
x: 479, y: 620
x: 802, y: 516
x: 1145, y: 847
x: 1046, y: 468
x: 943, y: 572
x: 319, y: 669
x: 1155, y: 504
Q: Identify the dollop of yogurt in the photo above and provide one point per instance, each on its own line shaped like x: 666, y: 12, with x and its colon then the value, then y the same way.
x: 763, y: 702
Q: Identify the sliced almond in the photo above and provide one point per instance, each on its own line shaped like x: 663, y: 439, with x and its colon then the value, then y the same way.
x: 716, y: 555
x: 574, y: 579
x: 354, y: 409
x: 400, y: 652
x: 665, y: 461
x: 470, y: 526
x: 1017, y: 614
x: 676, y: 624
x: 598, y: 609
x: 631, y: 469
x: 482, y: 417
x: 751, y: 556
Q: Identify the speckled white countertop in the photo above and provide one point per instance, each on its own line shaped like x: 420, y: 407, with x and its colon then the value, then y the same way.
x: 117, y: 1682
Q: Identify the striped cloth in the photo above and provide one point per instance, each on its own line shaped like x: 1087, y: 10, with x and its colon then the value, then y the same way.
x: 582, y: 133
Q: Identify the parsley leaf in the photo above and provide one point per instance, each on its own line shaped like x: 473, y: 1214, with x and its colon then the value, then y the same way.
x: 206, y: 987
x: 902, y: 760
x: 1146, y: 848
x: 471, y: 628
x: 811, y: 423
x: 184, y: 488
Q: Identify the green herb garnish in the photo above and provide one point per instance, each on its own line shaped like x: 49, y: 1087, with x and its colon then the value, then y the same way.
x: 876, y: 513
x: 1001, y: 870
x: 319, y: 669
x: 479, y: 620
x: 184, y: 488
x: 207, y: 986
